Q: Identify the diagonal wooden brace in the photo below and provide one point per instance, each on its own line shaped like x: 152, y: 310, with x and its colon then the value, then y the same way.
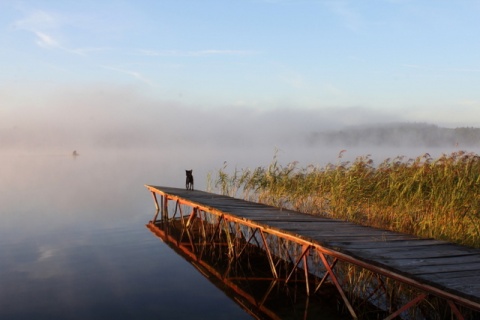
x: 305, y: 249
x: 181, y: 211
x: 177, y: 204
x: 267, y: 293
x: 192, y: 217
x: 337, y: 284
x: 326, y: 275
x: 455, y: 310
x: 406, y: 306
x: 246, y: 243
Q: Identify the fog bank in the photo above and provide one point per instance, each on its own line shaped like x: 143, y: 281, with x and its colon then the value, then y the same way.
x: 114, y: 117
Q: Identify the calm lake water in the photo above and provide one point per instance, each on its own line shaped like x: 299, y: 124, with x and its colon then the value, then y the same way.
x: 73, y: 240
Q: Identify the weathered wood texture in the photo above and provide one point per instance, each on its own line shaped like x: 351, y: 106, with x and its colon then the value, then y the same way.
x: 448, y: 267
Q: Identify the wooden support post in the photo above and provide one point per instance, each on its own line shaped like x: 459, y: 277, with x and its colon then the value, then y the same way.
x: 161, y: 207
x: 165, y: 207
x: 192, y: 217
x: 156, y: 207
x: 228, y: 235
x: 306, y: 249
x: 337, y: 284
x: 269, y: 255
x: 238, y: 237
x: 155, y: 200
x: 305, y: 312
x: 406, y: 306
x: 181, y: 211
x: 155, y: 216
x: 203, y: 221
x: 177, y: 205
x: 285, y: 249
x: 265, y: 296
x: 217, y: 227
x: 455, y: 310
x: 191, y: 242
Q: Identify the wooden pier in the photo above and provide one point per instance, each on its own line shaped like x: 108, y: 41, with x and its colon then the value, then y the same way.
x: 435, y: 268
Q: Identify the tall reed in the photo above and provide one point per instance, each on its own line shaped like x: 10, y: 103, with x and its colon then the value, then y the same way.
x: 434, y: 198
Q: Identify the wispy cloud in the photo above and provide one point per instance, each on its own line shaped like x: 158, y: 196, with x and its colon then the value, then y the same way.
x: 45, y: 252
x: 37, y: 19
x: 208, y: 52
x: 47, y: 29
x: 349, y: 17
x: 44, y: 26
x: 134, y: 74
x: 442, y: 69
x: 222, y: 52
x: 332, y: 90
x: 41, y: 24
x: 46, y: 41
x: 294, y: 80
x: 469, y: 103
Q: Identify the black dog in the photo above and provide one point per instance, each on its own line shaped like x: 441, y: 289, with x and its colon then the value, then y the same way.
x: 189, y: 183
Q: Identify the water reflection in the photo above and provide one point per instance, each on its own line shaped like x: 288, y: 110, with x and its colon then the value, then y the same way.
x: 245, y: 278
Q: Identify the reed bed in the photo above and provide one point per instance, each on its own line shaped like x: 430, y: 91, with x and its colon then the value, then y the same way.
x: 433, y: 198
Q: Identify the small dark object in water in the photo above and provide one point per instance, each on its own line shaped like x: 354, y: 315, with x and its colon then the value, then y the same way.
x: 189, y: 183
x: 75, y: 153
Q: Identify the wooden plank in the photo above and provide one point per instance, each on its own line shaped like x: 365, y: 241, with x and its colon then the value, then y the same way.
x: 460, y: 261
x: 390, y: 244
x: 437, y: 269
x: 416, y: 252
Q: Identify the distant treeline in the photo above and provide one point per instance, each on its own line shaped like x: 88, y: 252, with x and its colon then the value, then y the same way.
x: 399, y: 134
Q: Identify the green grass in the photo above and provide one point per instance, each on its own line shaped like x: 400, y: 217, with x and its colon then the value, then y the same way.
x: 432, y: 198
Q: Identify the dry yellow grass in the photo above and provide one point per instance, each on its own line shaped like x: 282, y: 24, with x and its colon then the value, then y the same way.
x: 434, y: 198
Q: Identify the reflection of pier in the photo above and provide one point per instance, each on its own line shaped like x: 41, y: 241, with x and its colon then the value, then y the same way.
x: 323, y: 249
x: 245, y: 279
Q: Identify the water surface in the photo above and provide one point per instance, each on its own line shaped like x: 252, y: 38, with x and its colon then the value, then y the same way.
x: 73, y: 243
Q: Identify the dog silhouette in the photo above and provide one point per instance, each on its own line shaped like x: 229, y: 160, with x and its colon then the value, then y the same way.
x: 189, y: 182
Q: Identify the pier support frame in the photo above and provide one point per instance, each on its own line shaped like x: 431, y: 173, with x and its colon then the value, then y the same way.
x: 261, y: 232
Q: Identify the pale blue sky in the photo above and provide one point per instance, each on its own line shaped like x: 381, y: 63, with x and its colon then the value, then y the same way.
x: 401, y: 60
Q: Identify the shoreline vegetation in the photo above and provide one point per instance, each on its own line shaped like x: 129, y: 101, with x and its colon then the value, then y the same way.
x: 426, y: 197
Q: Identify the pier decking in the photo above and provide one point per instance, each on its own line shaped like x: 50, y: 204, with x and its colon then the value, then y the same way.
x: 442, y: 269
